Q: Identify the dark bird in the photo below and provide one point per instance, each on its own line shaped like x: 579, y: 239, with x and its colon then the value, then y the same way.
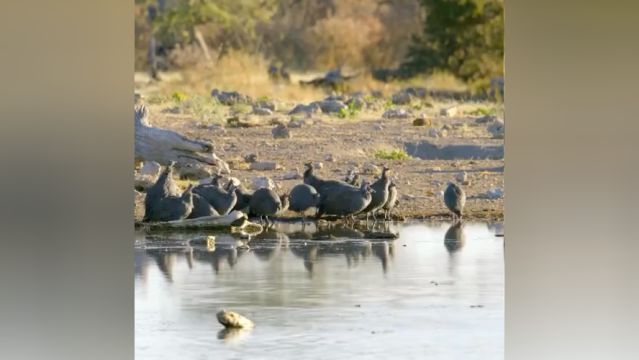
x: 455, y: 199
x: 345, y: 201
x: 265, y: 203
x: 303, y: 197
x: 164, y: 187
x: 201, y: 208
x: 222, y: 200
x: 391, y: 202
x: 243, y: 198
x: 380, y: 196
x: 174, y: 207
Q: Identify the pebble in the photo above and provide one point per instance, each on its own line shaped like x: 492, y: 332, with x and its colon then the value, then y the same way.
x: 262, y: 182
x: 262, y: 112
x: 329, y: 158
x: 281, y: 132
x: 150, y: 168
x: 263, y: 165
x: 449, y: 112
x: 396, y: 114
x: 231, y: 319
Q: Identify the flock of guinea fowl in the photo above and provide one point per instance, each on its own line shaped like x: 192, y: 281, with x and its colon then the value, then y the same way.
x: 339, y: 198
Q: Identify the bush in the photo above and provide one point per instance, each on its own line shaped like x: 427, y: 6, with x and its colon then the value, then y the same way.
x: 395, y: 154
x: 465, y: 37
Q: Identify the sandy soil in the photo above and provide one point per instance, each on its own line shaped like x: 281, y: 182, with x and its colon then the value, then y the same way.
x: 352, y: 142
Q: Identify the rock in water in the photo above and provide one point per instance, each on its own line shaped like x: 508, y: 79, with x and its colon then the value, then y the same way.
x: 231, y: 319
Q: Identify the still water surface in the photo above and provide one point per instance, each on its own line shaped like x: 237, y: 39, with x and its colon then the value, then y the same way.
x: 437, y: 292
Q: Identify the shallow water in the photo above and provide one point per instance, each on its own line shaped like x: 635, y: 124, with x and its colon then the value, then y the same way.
x: 419, y: 296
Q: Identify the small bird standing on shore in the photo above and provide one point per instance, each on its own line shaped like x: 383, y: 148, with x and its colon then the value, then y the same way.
x: 455, y: 199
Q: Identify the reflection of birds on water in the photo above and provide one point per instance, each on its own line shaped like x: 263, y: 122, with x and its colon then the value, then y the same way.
x: 454, y: 238
x: 233, y: 335
x: 338, y: 231
x: 216, y: 257
x: 382, y: 251
x: 164, y: 261
x: 356, y: 250
x: 267, y: 243
x: 308, y: 252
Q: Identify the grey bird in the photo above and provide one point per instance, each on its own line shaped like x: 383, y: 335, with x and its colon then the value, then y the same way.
x: 265, y: 203
x: 222, y: 200
x: 174, y: 207
x: 243, y: 198
x: 345, y: 201
x: 352, y: 178
x: 380, y: 196
x: 320, y: 184
x: 303, y: 197
x: 392, y: 200
x: 455, y: 199
x: 201, y: 208
x: 164, y: 187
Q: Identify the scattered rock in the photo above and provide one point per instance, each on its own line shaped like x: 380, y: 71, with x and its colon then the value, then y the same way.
x: 378, y: 127
x: 281, y: 132
x: 331, y: 106
x: 263, y: 165
x: 496, y: 129
x: 262, y: 112
x: 310, y: 109
x: 449, y: 112
x: 142, y: 182
x: 250, y: 158
x: 318, y: 165
x: 356, y: 102
x: 231, y: 319
x: 494, y: 193
x: 265, y: 104
x: 370, y: 169
x: 296, y: 123
x: 435, y: 133
x: 150, y: 168
x: 262, y: 182
x: 235, y: 181
x: 329, y: 158
x: 461, y: 177
x: 172, y: 110
x: 402, y: 98
x: 416, y: 91
x: 396, y: 114
x: 194, y: 171
x: 292, y: 175
x: 230, y: 97
x: 485, y: 119
x: 236, y: 122
x: 446, y: 127
x: 420, y: 121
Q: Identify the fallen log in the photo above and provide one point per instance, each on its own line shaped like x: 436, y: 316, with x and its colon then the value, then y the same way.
x: 164, y: 146
x: 235, y: 219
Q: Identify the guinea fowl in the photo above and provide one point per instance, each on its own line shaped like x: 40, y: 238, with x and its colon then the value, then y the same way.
x: 391, y: 202
x: 222, y: 200
x: 243, y: 198
x: 265, y: 203
x: 345, y: 201
x: 201, y: 208
x: 173, y: 207
x: 320, y: 184
x: 303, y: 197
x: 380, y: 196
x: 455, y: 199
x: 164, y: 187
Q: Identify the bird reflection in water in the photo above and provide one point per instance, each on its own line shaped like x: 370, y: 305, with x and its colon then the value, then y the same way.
x: 268, y: 243
x: 454, y: 238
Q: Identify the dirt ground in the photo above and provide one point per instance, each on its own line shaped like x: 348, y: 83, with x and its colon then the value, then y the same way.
x: 344, y: 143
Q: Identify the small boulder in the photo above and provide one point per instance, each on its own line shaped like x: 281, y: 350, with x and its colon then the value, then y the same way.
x: 485, y: 119
x: 461, y: 177
x: 150, y: 168
x: 263, y: 165
x: 496, y: 129
x: 434, y: 133
x: 308, y: 110
x: 296, y: 123
x: 265, y: 104
x: 449, y: 112
x: 231, y: 319
x: 143, y: 182
x: 262, y: 111
x: 331, y: 106
x: 402, y: 98
x: 318, y: 165
x: 230, y: 97
x: 329, y: 158
x: 370, y: 169
x: 194, y: 171
x: 420, y: 121
x: 262, y: 182
x: 281, y: 132
x: 292, y: 175
x: 250, y: 158
x: 396, y: 114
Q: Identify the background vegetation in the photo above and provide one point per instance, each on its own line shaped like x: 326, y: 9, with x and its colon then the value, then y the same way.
x: 412, y: 37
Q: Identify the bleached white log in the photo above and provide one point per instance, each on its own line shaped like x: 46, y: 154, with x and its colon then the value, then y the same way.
x: 164, y: 146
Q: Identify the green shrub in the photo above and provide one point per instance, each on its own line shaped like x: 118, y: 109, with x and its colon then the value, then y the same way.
x: 395, y: 154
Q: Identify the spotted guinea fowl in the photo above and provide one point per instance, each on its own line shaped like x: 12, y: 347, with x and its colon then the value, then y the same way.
x: 243, y: 198
x: 320, y: 184
x: 265, y: 203
x: 222, y: 200
x: 173, y: 207
x: 391, y: 202
x: 164, y: 187
x: 380, y: 196
x: 303, y: 197
x: 455, y: 199
x: 345, y: 201
x: 201, y: 208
